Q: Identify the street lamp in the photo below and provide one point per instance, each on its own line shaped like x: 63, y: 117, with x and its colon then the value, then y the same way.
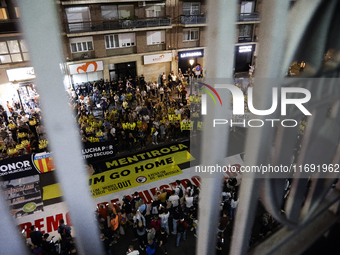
x: 191, y: 61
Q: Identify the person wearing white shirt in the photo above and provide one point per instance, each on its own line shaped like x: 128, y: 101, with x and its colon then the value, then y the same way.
x: 113, y: 131
x: 174, y: 199
x: 233, y: 205
x: 164, y: 217
x: 131, y: 251
x: 138, y: 109
x: 161, y: 92
x: 143, y: 93
x: 24, y: 118
x: 189, y: 202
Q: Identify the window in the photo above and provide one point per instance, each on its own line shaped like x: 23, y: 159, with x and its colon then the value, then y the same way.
x: 247, y: 7
x: 155, y: 37
x: 119, y: 40
x: 245, y: 31
x: 155, y: 10
x: 23, y: 46
x: 109, y: 12
x: 79, y: 15
x: 190, y: 35
x: 191, y: 8
x: 81, y: 44
x: 13, y: 51
x: 111, y: 41
x: 3, y: 14
x: 126, y: 11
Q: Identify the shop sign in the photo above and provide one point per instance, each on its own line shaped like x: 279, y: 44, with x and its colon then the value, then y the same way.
x: 20, y: 74
x: 157, y: 58
x: 192, y: 54
x: 86, y: 67
x: 247, y: 48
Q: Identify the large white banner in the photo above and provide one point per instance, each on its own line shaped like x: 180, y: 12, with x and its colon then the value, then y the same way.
x: 47, y: 221
x: 86, y: 67
x: 157, y: 58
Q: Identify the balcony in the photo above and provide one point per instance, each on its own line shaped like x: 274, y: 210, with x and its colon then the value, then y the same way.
x: 193, y: 19
x: 244, y: 17
x: 103, y: 25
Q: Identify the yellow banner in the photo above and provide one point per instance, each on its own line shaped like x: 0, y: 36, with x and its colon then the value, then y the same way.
x: 138, y: 174
x: 199, y: 125
x: 188, y: 125
x: 173, y: 117
x: 51, y: 191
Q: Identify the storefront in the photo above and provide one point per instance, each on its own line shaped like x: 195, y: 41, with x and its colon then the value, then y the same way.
x: 156, y: 64
x: 190, y: 59
x: 86, y: 72
x: 243, y: 57
x: 122, y: 70
x: 21, y: 90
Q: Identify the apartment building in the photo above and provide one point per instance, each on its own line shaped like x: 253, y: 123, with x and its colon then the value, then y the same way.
x: 110, y: 39
x: 132, y: 38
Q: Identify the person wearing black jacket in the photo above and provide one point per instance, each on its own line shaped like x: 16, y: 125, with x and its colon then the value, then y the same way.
x: 163, y: 240
x: 36, y: 236
x: 46, y: 245
x: 127, y: 206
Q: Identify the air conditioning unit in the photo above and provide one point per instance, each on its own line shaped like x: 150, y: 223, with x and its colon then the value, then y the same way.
x: 141, y: 4
x: 86, y: 55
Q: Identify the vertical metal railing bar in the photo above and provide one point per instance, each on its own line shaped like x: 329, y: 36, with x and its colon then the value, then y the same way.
x: 286, y: 137
x: 220, y: 60
x: 41, y: 30
x: 259, y: 141
x: 296, y: 196
x: 314, y: 194
x: 299, y: 18
x: 335, y: 113
x: 296, y: 241
x: 320, y: 186
x: 10, y: 241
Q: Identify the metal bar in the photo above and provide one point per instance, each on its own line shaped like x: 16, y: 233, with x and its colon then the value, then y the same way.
x: 288, y: 241
x: 41, y: 30
x: 258, y: 143
x: 214, y: 149
x: 298, y: 189
x: 10, y: 241
x: 299, y: 17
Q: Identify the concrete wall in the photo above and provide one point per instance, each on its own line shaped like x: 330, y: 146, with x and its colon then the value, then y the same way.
x: 99, y: 46
x: 141, y: 42
x: 121, y: 51
x: 156, y: 47
x: 203, y: 39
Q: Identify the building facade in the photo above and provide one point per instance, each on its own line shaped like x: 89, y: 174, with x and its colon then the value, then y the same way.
x: 110, y: 39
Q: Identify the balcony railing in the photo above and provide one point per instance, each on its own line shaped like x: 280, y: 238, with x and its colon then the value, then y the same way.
x: 193, y: 19
x: 255, y: 16
x: 91, y: 26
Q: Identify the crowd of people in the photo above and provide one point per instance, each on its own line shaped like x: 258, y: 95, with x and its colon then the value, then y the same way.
x: 21, y: 133
x: 132, y: 113
x: 167, y: 219
x: 151, y: 223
